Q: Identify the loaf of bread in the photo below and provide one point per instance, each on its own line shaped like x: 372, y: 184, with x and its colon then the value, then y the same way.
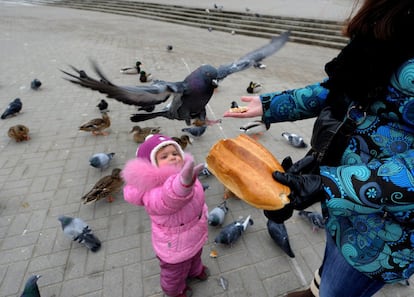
x: 245, y: 167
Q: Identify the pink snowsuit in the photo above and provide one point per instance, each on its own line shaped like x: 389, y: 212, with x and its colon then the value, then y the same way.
x: 178, y: 213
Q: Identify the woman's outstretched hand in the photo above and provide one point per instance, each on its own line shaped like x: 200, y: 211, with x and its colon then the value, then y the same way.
x: 254, y: 108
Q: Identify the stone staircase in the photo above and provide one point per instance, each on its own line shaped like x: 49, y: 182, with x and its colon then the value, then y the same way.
x: 323, y: 33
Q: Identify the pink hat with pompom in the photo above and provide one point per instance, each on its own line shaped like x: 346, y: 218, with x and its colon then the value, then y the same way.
x: 152, y: 144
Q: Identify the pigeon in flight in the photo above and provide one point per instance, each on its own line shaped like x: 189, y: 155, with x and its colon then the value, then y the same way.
x: 232, y: 232
x: 189, y: 96
x: 77, y: 230
x: 279, y: 235
x: 31, y: 289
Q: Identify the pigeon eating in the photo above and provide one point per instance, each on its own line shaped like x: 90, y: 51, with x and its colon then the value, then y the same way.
x: 77, y: 230
x: 35, y: 84
x: 315, y: 218
x: 233, y: 231
x: 279, y: 235
x: 217, y: 214
x: 103, y: 106
x: 189, y: 96
x: 195, y: 131
x: 101, y: 160
x: 31, y: 288
x: 294, y: 140
x: 12, y: 109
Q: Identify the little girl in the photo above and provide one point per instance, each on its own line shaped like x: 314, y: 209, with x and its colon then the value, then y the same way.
x: 164, y: 180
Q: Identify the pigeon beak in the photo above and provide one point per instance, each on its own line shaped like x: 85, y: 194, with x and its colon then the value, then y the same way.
x: 214, y: 83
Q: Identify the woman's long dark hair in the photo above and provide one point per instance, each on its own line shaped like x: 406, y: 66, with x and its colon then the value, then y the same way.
x: 381, y: 18
x: 381, y: 38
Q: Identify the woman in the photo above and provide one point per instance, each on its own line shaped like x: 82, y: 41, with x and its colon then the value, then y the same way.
x: 361, y: 165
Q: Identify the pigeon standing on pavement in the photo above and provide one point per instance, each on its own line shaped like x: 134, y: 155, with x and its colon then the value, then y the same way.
x: 232, y: 232
x: 294, y: 140
x: 190, y: 96
x: 31, y: 289
x: 77, y: 230
x: 315, y: 218
x: 204, y: 172
x: 217, y: 214
x: 196, y: 131
x: 13, y: 108
x: 101, y: 160
x: 279, y: 235
x: 35, y: 84
x: 103, y: 106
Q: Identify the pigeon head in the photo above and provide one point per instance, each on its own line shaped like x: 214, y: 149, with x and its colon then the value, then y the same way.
x: 205, y: 74
x: 64, y: 220
x: 152, y: 144
x: 31, y: 288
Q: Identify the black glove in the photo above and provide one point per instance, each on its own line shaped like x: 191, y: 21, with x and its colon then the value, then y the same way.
x: 306, y: 189
x: 306, y: 164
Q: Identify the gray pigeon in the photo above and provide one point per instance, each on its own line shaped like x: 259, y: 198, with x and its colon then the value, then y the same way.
x: 31, y: 289
x: 315, y: 218
x: 279, y: 235
x: 216, y: 215
x: 77, y: 230
x: 205, y: 186
x: 190, y: 96
x: 294, y: 140
x: 204, y: 172
x: 196, y: 131
x: 101, y: 160
x: 13, y: 108
x: 232, y: 232
x: 35, y: 84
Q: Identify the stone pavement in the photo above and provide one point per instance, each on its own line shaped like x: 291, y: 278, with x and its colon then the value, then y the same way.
x: 46, y: 176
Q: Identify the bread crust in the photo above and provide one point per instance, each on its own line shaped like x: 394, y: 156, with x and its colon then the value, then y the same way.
x: 245, y: 167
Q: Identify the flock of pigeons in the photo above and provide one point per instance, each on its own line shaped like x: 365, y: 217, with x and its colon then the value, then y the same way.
x: 189, y: 99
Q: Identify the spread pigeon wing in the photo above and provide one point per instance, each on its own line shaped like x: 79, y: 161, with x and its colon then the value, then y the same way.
x: 254, y: 57
x: 159, y: 91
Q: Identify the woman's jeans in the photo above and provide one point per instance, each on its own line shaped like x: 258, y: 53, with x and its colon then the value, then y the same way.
x: 339, y: 279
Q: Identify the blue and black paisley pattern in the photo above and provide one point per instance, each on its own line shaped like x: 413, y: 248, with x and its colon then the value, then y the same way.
x: 296, y: 104
x: 371, y: 195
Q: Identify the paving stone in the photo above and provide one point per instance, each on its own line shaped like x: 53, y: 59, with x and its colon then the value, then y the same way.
x: 47, y: 176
